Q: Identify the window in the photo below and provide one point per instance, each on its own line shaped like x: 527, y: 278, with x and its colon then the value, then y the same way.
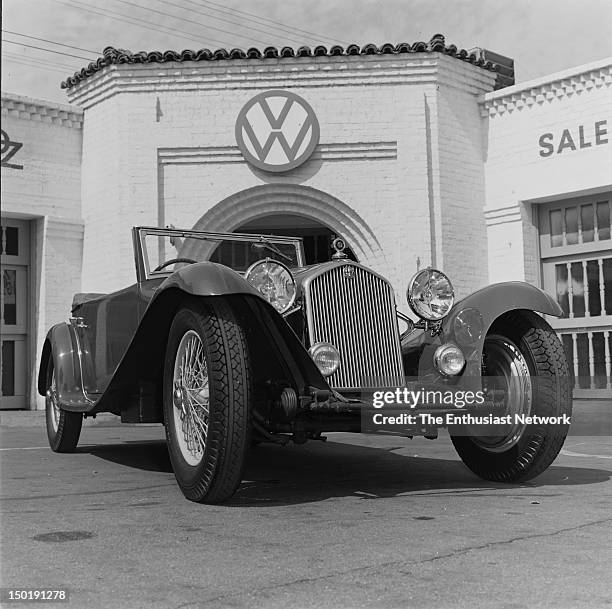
x: 576, y: 255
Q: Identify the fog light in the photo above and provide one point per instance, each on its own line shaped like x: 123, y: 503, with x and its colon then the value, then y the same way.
x: 449, y: 360
x: 326, y: 357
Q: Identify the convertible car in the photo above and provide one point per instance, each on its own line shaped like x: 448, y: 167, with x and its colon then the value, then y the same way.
x: 231, y: 339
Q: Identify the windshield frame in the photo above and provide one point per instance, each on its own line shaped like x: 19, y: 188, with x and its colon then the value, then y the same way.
x: 139, y: 233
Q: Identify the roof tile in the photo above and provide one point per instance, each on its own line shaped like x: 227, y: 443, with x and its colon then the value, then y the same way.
x: 112, y: 55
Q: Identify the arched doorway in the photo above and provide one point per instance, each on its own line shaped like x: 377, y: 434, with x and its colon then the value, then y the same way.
x: 317, y: 237
x: 300, y: 203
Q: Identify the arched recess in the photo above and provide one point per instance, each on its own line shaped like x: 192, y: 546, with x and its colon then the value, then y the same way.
x: 272, y: 199
x: 316, y: 237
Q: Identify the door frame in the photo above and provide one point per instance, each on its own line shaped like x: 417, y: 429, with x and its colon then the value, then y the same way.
x: 22, y: 331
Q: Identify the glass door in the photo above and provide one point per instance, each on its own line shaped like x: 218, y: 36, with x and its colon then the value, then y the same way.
x: 15, y: 258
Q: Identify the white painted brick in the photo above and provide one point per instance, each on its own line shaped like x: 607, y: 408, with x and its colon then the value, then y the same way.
x: 46, y: 191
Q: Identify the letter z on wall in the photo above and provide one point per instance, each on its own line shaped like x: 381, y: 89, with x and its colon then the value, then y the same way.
x: 8, y: 150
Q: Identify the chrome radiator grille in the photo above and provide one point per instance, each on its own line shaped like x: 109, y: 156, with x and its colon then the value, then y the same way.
x: 354, y: 310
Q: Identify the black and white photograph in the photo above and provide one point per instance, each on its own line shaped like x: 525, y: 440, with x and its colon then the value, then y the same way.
x: 306, y: 304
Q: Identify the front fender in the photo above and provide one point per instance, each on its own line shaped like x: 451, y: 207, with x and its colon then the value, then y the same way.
x: 208, y: 279
x: 272, y: 342
x: 62, y: 344
x: 499, y: 298
x: 491, y: 303
x: 485, y: 305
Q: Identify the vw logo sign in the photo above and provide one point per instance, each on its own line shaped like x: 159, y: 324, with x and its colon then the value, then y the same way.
x: 277, y: 131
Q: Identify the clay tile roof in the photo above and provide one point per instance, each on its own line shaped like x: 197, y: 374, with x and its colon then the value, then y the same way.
x: 112, y: 56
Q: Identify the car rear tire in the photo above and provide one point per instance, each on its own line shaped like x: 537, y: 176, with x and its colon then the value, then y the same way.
x: 207, y: 393
x: 63, y: 427
x: 524, y: 347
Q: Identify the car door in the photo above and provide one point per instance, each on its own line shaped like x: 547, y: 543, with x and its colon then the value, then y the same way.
x: 106, y: 326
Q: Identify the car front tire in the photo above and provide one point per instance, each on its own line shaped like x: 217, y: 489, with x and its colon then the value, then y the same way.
x: 524, y: 348
x: 207, y: 393
x: 63, y: 427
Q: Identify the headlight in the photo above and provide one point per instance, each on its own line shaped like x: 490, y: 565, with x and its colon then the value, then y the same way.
x: 274, y: 280
x: 430, y: 294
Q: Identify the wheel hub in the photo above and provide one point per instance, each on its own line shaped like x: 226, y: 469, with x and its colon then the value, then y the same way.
x: 190, y: 397
x: 53, y: 401
x: 504, y: 362
x: 179, y: 395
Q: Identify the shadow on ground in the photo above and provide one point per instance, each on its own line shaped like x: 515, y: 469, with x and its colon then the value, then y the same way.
x: 277, y: 475
x: 150, y: 455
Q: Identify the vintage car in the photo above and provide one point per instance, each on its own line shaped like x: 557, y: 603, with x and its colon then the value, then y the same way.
x: 231, y: 339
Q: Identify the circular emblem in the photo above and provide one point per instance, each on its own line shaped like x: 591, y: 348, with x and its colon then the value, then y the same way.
x: 348, y: 271
x: 339, y: 245
x: 277, y: 131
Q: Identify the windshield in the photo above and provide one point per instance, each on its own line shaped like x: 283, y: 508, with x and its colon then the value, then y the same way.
x: 166, y: 250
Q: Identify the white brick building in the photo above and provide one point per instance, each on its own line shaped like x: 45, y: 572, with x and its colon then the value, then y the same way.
x: 42, y: 233
x: 165, y: 135
x: 419, y: 162
x: 548, y: 172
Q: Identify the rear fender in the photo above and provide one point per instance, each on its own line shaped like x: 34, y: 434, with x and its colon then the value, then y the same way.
x: 63, y: 345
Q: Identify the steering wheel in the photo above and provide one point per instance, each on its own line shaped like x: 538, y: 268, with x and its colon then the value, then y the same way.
x: 172, y: 261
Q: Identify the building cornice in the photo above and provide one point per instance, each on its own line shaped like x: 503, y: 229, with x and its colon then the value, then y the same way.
x: 416, y: 68
x: 559, y: 85
x: 28, y: 108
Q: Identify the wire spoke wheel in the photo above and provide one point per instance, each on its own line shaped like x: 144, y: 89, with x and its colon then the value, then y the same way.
x: 51, y: 400
x: 207, y: 394
x: 191, y: 397
x: 63, y: 427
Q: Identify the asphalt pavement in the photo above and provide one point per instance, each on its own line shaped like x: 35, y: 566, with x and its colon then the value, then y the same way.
x: 358, y: 521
